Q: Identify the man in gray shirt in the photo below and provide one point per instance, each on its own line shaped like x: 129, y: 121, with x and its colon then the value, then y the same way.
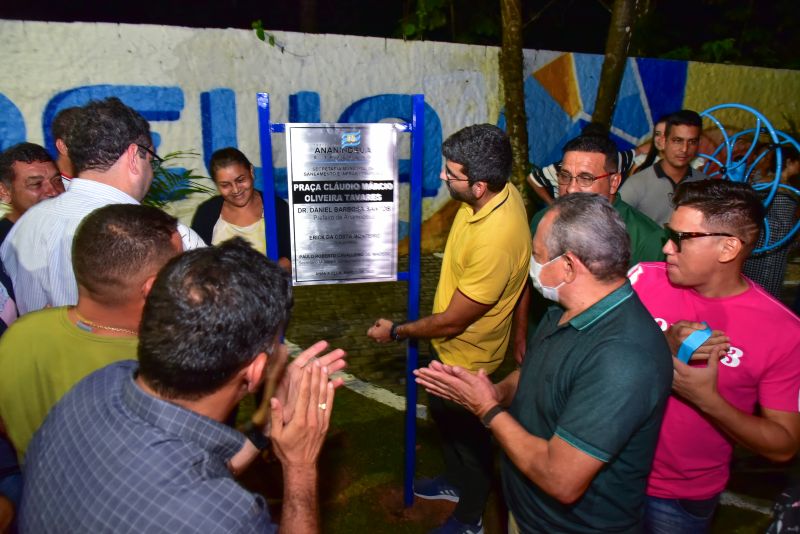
x: 651, y: 190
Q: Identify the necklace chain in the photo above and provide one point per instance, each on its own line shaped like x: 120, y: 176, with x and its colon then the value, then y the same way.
x: 87, y: 322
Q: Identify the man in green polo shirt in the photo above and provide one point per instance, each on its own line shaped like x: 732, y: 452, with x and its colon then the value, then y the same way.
x: 589, y: 165
x: 578, y: 423
x: 594, y: 162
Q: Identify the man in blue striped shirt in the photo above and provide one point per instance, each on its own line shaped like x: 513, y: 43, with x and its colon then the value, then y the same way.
x: 112, y: 151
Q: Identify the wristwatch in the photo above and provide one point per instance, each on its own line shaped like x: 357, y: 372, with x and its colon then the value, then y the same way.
x: 393, y: 332
x: 491, y: 414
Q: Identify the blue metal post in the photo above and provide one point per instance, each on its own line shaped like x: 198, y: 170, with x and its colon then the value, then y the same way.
x: 417, y: 129
x: 414, y: 247
x: 268, y: 175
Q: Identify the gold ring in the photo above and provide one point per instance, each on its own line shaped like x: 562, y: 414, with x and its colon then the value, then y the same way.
x: 323, y: 406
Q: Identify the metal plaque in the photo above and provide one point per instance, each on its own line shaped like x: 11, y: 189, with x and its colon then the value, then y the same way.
x: 343, y: 198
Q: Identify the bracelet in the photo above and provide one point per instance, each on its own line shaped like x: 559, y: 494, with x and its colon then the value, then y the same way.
x: 491, y: 414
x: 393, y: 332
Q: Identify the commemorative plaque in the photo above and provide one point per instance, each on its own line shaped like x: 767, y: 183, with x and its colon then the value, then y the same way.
x: 343, y: 199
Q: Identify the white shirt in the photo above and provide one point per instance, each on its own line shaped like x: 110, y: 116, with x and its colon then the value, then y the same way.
x: 252, y: 233
x: 37, y: 253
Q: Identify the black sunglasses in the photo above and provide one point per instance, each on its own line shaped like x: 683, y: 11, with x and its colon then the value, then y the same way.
x: 677, y: 237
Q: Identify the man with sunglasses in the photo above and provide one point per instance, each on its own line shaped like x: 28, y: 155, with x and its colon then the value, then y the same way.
x: 744, y: 347
x: 484, y: 270
x: 650, y: 190
x: 112, y: 151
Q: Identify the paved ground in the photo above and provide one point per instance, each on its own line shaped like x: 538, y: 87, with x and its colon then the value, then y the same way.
x: 341, y: 314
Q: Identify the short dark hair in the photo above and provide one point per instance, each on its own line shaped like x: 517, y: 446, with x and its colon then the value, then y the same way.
x: 225, y: 157
x: 108, y: 127
x: 63, y: 123
x: 587, y: 225
x: 24, y: 152
x: 598, y: 145
x: 210, y: 312
x: 485, y: 153
x: 684, y: 117
x: 117, y: 246
x: 731, y: 207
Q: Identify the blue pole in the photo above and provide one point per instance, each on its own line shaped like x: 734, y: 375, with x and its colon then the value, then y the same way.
x: 268, y: 174
x: 414, y: 247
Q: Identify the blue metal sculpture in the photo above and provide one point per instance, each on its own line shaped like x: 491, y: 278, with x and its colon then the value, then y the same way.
x: 733, y: 164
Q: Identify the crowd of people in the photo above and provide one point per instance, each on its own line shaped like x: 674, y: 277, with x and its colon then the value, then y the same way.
x: 644, y: 355
x: 97, y: 285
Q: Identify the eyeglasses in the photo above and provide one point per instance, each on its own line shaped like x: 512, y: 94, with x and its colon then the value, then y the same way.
x: 583, y: 179
x: 677, y: 237
x: 156, y: 161
x: 452, y: 177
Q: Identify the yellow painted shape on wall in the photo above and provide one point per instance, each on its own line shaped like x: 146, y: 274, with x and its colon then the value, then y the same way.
x: 558, y: 79
x: 773, y: 92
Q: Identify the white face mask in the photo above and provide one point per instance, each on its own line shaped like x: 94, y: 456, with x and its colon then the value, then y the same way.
x: 550, y: 293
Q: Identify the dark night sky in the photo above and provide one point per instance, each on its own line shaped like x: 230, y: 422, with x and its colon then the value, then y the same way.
x: 762, y: 32
x: 335, y: 16
x: 381, y: 18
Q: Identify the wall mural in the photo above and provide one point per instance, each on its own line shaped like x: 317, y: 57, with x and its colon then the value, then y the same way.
x: 340, y: 79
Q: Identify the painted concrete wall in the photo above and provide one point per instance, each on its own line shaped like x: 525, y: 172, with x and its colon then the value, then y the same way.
x: 197, y: 87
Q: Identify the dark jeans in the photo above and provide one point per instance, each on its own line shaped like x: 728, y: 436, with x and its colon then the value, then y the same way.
x: 467, y: 448
x: 678, y: 516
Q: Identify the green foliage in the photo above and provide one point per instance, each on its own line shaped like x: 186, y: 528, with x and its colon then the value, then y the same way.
x: 170, y: 184
x: 258, y: 26
x: 262, y: 34
x: 743, y: 32
x: 460, y: 21
x: 682, y: 52
x: 429, y: 15
x: 719, y: 51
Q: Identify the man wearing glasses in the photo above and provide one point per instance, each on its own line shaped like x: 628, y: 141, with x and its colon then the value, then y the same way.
x: 484, y: 270
x: 744, y: 348
x: 589, y: 165
x: 651, y: 190
x: 111, y: 150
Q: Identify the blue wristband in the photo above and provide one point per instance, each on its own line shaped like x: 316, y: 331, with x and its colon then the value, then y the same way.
x: 692, y: 343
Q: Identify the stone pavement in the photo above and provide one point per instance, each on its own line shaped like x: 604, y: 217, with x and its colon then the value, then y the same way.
x: 342, y: 313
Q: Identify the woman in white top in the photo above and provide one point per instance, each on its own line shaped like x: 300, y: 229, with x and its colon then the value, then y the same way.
x: 239, y: 210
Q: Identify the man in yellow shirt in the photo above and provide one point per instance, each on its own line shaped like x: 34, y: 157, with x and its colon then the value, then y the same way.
x: 117, y: 252
x: 484, y: 270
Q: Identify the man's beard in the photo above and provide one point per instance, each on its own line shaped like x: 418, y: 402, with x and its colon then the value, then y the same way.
x: 465, y: 196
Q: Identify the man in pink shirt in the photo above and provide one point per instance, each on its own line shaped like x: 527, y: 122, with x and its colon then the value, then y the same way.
x: 749, y: 354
